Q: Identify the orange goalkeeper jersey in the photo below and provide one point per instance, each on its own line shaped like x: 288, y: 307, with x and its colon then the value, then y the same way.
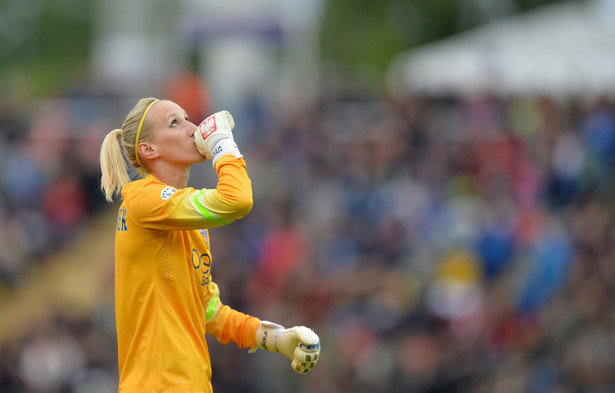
x: 165, y: 300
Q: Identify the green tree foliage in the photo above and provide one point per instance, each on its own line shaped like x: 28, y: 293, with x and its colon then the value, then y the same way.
x: 361, y: 35
x: 46, y: 40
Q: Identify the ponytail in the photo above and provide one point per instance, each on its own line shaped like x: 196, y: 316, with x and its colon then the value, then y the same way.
x: 112, y: 165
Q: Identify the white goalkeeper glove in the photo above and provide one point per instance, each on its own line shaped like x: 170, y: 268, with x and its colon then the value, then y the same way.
x: 214, y: 137
x: 300, y: 344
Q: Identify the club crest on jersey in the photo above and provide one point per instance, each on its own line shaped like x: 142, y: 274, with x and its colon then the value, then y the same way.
x: 205, y: 235
x: 167, y: 192
x: 208, y: 126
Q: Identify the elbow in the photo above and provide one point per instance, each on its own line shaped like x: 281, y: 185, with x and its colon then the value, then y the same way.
x: 242, y: 200
x: 237, y: 205
x: 235, y: 190
x: 243, y: 205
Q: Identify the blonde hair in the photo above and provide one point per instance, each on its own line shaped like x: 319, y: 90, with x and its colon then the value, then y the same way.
x: 112, y: 164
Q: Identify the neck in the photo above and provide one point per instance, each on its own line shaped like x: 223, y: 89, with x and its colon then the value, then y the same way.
x: 176, y: 177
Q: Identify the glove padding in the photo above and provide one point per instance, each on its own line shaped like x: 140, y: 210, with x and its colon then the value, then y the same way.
x: 214, y: 136
x: 300, y: 344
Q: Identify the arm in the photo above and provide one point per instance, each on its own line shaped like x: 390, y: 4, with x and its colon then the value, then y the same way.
x: 214, y: 140
x: 231, y: 199
x: 160, y: 207
x: 229, y: 325
x: 300, y: 344
x: 154, y: 205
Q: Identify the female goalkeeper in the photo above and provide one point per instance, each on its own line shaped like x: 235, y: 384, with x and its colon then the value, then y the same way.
x: 165, y: 299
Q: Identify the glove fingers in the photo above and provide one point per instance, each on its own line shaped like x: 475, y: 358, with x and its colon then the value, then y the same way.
x: 229, y: 119
x: 212, y: 130
x: 302, y: 368
x: 220, y: 123
x: 302, y: 345
x: 305, y: 359
x: 201, y: 145
x: 307, y: 336
x: 302, y: 356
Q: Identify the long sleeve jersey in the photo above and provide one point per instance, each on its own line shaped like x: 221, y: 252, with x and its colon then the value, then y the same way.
x: 165, y: 300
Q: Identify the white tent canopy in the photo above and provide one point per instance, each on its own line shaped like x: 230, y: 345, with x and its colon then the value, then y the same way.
x: 561, y: 49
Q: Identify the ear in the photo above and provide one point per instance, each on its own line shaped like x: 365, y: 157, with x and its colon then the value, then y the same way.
x: 148, y: 151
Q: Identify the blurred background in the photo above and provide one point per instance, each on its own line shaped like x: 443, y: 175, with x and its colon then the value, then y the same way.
x: 432, y: 180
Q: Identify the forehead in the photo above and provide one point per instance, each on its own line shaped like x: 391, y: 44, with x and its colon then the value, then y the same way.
x: 163, y: 109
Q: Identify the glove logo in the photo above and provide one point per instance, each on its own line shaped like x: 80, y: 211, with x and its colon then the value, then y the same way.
x: 309, y: 347
x: 217, y: 151
x: 208, y: 127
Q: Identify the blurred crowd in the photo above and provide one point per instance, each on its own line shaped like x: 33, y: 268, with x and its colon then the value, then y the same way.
x: 436, y: 244
x: 48, y: 182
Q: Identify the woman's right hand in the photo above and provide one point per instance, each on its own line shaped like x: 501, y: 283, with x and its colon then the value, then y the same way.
x: 214, y: 136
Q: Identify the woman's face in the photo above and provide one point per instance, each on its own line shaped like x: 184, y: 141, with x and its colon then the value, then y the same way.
x: 173, y: 134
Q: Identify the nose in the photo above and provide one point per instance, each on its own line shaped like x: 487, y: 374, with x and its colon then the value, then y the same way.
x: 192, y: 129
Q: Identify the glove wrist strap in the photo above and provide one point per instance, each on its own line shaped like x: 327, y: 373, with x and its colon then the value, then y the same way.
x: 267, y: 336
x: 225, y: 146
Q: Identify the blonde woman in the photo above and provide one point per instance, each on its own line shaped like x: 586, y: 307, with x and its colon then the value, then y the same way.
x: 165, y: 298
